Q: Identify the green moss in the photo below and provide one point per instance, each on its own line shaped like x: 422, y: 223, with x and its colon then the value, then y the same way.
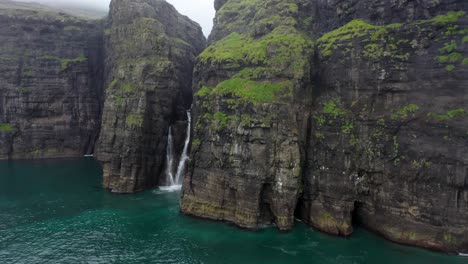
x: 121, y: 90
x: 253, y: 91
x: 450, y: 67
x: 334, y: 39
x: 65, y: 63
x: 246, y: 120
x: 282, y: 51
x: 405, y: 111
x: 49, y: 58
x: 257, y: 16
x: 113, y: 84
x: 222, y: 120
x: 6, y: 128
x: 203, y: 92
x: 135, y: 120
x: 347, y: 128
x: 465, y: 61
x: 465, y: 39
x: 449, y: 47
x: 379, y: 40
x: 333, y: 108
x: 449, y: 115
x: 250, y: 91
x: 196, y: 143
x: 450, y: 17
x: 452, y: 58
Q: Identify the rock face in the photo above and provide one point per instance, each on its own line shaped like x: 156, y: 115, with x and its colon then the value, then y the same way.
x: 336, y: 114
x: 50, y: 84
x: 388, y: 137
x: 149, y: 54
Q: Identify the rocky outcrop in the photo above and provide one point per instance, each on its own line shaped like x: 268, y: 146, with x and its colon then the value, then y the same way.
x: 149, y: 54
x: 246, y: 152
x: 50, y: 84
x: 336, y: 114
x: 388, y: 138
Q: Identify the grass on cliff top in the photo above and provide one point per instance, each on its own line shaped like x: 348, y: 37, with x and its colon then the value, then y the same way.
x: 283, y: 51
x: 380, y: 42
x: 354, y: 29
x: 257, y: 16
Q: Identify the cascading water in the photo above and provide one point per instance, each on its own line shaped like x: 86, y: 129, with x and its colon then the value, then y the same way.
x: 184, y: 158
x: 175, y: 181
x: 170, y: 159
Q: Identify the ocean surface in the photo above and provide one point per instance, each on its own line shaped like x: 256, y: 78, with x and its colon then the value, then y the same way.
x: 56, y: 212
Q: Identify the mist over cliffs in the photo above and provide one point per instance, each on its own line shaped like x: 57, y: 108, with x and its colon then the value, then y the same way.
x: 333, y: 112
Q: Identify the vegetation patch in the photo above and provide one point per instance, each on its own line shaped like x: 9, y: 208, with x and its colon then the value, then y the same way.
x: 250, y: 91
x: 257, y: 16
x: 449, y: 115
x: 6, y: 128
x: 405, y: 111
x: 450, y: 17
x: 135, y: 120
x: 283, y: 51
x: 221, y: 120
x: 381, y: 41
x: 121, y: 90
x: 65, y: 63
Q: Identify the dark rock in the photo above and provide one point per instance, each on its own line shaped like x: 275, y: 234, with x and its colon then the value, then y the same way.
x: 150, y: 50
x: 372, y: 128
x: 50, y: 84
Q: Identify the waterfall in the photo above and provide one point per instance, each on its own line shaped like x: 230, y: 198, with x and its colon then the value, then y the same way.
x: 175, y: 181
x: 184, y: 158
x: 170, y: 159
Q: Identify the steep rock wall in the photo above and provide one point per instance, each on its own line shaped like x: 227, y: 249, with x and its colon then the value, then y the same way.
x: 149, y: 53
x: 302, y: 103
x: 249, y: 112
x: 50, y: 89
x: 388, y: 137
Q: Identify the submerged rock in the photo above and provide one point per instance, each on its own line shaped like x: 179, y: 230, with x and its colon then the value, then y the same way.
x: 150, y: 50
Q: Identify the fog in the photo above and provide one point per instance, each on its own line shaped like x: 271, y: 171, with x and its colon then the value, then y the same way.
x: 202, y: 11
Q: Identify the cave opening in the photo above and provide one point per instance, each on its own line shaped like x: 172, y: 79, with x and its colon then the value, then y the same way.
x: 266, y: 214
x: 356, y: 214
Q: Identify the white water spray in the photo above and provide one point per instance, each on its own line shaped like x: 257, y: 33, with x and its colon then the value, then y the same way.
x: 175, y: 181
x: 184, y: 158
x: 170, y: 159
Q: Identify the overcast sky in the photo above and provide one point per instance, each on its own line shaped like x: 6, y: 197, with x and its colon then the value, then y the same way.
x: 201, y: 11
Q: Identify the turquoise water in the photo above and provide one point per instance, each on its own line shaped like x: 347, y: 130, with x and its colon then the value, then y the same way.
x: 56, y: 212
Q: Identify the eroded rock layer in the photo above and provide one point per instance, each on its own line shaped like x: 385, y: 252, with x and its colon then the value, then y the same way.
x: 149, y: 53
x: 337, y: 112
x: 50, y: 84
